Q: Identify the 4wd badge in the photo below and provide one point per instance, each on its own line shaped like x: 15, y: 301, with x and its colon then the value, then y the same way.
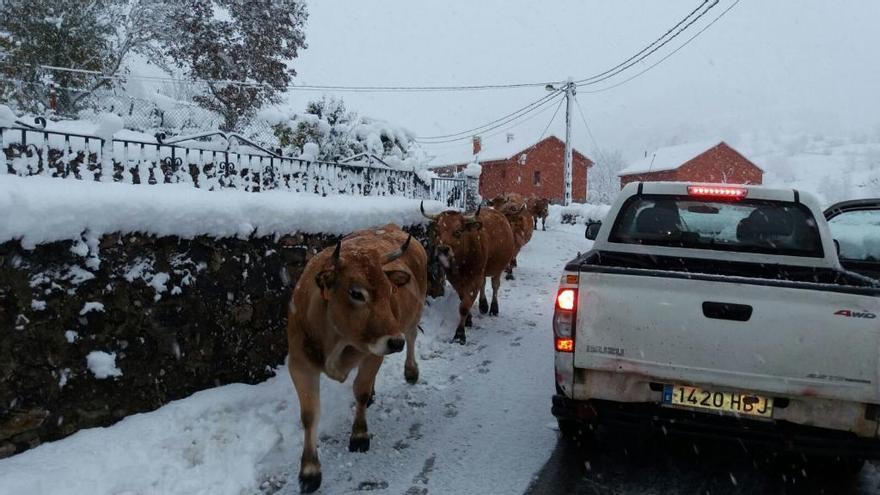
x: 849, y: 313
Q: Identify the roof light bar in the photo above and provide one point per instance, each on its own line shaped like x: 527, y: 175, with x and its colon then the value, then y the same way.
x: 718, y: 192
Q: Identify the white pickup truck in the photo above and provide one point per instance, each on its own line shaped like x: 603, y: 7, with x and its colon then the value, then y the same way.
x: 725, y: 312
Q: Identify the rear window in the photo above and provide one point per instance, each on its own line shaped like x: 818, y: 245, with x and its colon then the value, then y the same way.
x: 752, y: 226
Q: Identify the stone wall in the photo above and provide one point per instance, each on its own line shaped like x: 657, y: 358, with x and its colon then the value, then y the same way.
x: 178, y: 315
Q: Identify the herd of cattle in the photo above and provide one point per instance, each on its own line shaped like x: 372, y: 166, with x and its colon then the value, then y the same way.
x: 362, y: 300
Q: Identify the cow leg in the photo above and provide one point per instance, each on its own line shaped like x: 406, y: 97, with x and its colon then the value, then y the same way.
x: 363, y: 390
x: 411, y: 367
x: 469, y: 321
x: 543, y: 223
x: 509, y: 271
x: 484, y: 305
x: 496, y: 283
x: 308, y: 389
x: 467, y: 296
x: 535, y: 223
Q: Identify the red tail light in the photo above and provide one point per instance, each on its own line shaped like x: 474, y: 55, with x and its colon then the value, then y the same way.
x: 565, y: 299
x: 564, y: 320
x: 564, y: 344
x: 725, y: 192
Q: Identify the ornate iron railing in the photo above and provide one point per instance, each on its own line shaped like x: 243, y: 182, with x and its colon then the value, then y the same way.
x: 32, y: 150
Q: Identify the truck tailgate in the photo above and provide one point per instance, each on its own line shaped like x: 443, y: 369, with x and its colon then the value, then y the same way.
x: 796, y: 341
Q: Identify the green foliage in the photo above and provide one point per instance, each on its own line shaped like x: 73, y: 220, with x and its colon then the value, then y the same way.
x: 69, y: 33
x: 248, y: 41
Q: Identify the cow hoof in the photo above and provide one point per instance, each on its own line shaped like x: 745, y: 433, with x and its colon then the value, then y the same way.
x: 509, y: 276
x: 459, y: 338
x: 468, y: 322
x: 494, y: 310
x: 309, y: 483
x: 411, y: 375
x: 484, y: 306
x: 359, y: 444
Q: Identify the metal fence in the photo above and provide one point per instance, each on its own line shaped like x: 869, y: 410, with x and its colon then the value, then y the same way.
x: 233, y: 163
x: 451, y: 192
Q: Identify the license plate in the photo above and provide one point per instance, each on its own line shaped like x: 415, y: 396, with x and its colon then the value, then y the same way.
x: 731, y: 402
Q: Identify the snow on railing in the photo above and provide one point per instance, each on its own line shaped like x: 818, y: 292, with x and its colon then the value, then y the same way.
x: 32, y: 150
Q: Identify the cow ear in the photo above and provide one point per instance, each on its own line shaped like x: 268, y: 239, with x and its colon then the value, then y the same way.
x: 326, y: 279
x: 398, y: 277
x: 475, y: 225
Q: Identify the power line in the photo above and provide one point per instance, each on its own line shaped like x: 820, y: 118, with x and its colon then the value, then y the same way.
x: 511, y: 117
x: 590, y: 132
x: 617, y: 69
x: 551, y: 119
x: 673, y: 52
x: 650, y: 52
x: 679, y: 23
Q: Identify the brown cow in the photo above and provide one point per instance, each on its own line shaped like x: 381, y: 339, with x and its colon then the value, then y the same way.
x: 352, y: 306
x: 471, y: 248
x: 539, y: 208
x: 520, y: 221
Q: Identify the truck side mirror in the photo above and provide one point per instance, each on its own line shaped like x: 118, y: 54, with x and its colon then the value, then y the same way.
x: 592, y: 230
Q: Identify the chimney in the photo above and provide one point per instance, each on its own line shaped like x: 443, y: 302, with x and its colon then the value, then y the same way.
x: 509, y: 137
x: 477, y: 145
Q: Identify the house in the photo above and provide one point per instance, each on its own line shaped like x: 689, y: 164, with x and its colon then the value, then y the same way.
x: 511, y: 166
x: 713, y: 161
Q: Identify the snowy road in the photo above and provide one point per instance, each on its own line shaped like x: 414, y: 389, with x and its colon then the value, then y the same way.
x: 478, y: 421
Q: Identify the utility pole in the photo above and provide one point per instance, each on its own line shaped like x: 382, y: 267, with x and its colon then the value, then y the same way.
x: 570, y: 89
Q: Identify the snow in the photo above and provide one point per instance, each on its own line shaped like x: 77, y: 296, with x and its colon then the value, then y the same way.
x: 7, y: 118
x: 49, y: 209
x: 669, y: 157
x: 71, y: 336
x: 38, y: 305
x: 102, y: 364
x: 91, y: 306
x: 475, y: 422
x: 473, y: 170
x: 580, y: 211
x: 108, y: 125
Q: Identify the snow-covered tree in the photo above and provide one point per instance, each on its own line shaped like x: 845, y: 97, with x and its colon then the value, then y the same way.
x: 241, y: 47
x: 340, y: 133
x: 603, y: 182
x: 93, y: 35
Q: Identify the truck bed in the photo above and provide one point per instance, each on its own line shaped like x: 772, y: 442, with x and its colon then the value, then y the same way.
x: 782, y: 330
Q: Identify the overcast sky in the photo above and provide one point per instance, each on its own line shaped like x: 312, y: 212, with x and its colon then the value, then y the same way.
x: 783, y: 64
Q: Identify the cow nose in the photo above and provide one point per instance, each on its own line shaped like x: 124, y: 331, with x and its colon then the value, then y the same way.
x: 395, y: 344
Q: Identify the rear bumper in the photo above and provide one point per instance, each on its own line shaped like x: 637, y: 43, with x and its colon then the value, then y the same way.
x: 778, y: 435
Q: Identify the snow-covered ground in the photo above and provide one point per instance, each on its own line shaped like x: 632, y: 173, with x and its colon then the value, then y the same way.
x: 478, y: 421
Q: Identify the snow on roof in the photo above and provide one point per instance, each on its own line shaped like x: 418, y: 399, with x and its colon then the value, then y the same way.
x: 492, y: 148
x: 669, y: 158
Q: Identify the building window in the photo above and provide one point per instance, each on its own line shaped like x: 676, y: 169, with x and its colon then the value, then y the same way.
x: 536, y: 178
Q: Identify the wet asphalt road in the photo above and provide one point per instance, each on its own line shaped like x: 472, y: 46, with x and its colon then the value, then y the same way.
x: 620, y: 464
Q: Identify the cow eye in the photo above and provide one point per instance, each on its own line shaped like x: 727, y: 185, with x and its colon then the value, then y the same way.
x: 457, y: 233
x: 356, y: 295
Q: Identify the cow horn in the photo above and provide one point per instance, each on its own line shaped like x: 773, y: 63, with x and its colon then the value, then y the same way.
x: 397, y: 253
x: 335, y: 258
x: 471, y: 218
x: 422, y: 208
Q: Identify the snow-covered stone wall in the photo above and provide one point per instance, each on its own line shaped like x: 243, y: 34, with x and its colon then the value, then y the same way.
x: 115, y: 299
